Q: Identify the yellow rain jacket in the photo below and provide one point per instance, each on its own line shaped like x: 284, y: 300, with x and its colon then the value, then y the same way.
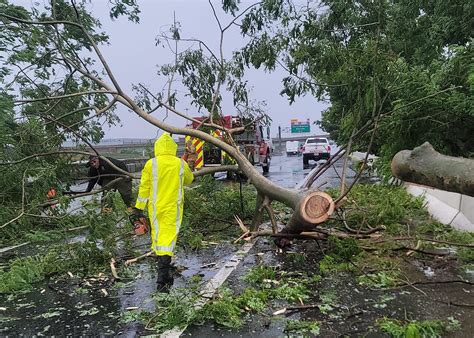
x: 162, y: 187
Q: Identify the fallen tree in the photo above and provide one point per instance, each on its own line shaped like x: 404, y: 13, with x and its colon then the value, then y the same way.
x: 310, y: 206
x: 424, y: 165
x: 104, y: 93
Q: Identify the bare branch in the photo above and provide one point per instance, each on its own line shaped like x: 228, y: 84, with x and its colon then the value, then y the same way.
x: 23, y: 70
x: 200, y: 42
x: 312, y: 177
x: 59, y: 152
x: 30, y: 79
x: 97, y: 114
x: 73, y: 112
x: 171, y: 79
x: 183, y: 115
x: 369, y: 148
x: 346, y: 162
x: 58, y: 97
x: 307, y: 80
x: 72, y: 131
x: 220, y: 73
x: 215, y: 15
x: 48, y: 22
x: 212, y: 170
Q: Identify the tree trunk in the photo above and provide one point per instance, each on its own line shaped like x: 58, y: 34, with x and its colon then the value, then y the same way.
x: 424, y: 165
x: 313, y: 207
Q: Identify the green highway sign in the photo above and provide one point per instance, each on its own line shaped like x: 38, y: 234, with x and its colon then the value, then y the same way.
x: 300, y: 128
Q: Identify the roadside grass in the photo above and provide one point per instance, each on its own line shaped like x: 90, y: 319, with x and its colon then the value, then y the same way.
x: 266, y: 288
x: 406, y: 223
x: 209, y: 210
x: 82, y: 258
x: 87, y: 254
x: 425, y: 328
x: 370, y: 205
x: 302, y: 327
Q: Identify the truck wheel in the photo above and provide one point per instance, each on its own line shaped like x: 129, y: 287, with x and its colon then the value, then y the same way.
x: 251, y: 159
x: 266, y: 168
x: 305, y: 161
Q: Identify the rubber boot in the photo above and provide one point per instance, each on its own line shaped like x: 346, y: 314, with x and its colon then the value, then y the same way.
x: 164, y: 280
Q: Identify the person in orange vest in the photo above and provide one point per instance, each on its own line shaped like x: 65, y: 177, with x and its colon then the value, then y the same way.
x: 51, y: 193
x: 162, y: 189
x: 190, y: 154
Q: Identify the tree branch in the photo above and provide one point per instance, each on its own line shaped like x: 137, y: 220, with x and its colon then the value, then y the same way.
x: 58, y: 97
x: 240, y: 15
x: 70, y: 152
x: 82, y: 194
x: 215, y: 15
x: 72, y: 131
x: 212, y: 170
x: 49, y: 22
x: 268, y: 188
x: 22, y: 203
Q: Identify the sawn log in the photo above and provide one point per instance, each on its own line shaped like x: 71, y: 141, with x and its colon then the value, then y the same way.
x: 424, y: 165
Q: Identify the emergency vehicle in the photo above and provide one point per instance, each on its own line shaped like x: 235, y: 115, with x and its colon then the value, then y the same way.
x: 254, y: 141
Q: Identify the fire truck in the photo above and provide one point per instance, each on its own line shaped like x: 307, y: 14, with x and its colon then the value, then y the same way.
x: 254, y: 141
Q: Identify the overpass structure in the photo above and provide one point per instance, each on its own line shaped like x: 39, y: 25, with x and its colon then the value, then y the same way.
x: 139, y: 146
x: 297, y: 137
x: 135, y: 152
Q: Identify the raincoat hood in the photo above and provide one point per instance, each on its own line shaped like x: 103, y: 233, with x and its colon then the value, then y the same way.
x: 165, y: 145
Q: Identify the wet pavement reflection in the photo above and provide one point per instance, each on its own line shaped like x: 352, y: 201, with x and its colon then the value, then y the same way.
x: 288, y: 171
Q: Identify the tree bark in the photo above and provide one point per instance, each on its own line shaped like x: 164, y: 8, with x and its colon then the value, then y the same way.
x: 424, y: 165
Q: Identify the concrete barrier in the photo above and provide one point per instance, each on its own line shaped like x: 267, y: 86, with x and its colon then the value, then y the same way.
x: 447, y: 207
x: 135, y: 164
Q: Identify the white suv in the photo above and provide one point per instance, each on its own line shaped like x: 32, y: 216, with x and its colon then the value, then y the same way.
x: 315, y: 148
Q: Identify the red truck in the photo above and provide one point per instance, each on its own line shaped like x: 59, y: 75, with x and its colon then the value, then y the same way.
x: 254, y: 141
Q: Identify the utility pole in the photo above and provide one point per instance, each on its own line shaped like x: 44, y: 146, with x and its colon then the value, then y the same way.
x: 279, y: 138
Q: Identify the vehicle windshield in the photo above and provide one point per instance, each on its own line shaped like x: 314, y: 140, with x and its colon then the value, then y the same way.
x: 317, y: 140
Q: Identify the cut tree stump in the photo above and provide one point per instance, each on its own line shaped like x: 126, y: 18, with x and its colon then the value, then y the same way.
x: 313, y: 208
x: 424, y: 165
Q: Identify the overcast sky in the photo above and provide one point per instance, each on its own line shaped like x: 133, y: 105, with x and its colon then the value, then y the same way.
x: 134, y: 58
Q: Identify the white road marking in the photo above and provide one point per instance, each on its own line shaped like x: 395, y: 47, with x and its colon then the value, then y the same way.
x: 213, y: 284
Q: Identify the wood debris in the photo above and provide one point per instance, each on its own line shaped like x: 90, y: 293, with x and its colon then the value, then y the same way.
x: 113, y: 268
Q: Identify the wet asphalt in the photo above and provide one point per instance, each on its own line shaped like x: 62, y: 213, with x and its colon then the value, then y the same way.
x: 69, y: 306
x: 288, y: 171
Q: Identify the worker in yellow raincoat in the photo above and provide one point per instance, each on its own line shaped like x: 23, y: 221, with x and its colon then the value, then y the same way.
x: 162, y: 188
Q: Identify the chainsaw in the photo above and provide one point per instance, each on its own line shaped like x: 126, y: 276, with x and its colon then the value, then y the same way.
x: 140, y: 224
